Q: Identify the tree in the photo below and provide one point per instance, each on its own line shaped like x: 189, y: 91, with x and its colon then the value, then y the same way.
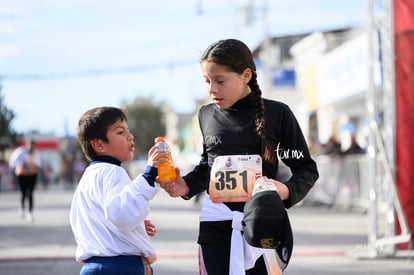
x: 7, y: 135
x: 146, y: 121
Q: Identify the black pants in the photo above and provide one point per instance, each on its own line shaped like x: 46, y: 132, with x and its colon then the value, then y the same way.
x: 216, y: 259
x: 26, y: 186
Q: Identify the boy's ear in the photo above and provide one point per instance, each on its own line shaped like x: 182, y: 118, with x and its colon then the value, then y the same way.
x: 97, y: 145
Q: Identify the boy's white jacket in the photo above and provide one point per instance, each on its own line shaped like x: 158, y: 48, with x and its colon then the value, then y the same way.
x: 108, y: 211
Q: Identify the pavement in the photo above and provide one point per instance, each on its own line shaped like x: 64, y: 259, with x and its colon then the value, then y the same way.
x: 326, y: 240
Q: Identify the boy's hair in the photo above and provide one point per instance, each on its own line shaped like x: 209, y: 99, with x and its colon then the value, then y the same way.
x: 237, y: 57
x: 94, y: 124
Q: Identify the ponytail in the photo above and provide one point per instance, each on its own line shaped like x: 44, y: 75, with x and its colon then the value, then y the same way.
x: 268, y: 151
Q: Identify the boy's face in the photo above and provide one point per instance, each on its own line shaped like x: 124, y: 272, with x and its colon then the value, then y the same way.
x: 120, y: 142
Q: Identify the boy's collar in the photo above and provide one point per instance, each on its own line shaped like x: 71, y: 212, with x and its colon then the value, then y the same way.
x: 107, y: 159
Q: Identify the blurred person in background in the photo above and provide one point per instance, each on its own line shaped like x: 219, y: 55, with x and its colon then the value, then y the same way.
x: 25, y: 161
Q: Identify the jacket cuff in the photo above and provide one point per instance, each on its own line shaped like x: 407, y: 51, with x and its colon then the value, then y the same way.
x: 150, y: 174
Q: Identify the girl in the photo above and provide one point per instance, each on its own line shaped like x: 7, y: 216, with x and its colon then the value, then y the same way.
x: 240, y: 124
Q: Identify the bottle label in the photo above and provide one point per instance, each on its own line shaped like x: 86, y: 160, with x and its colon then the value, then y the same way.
x: 232, y: 177
x: 162, y: 146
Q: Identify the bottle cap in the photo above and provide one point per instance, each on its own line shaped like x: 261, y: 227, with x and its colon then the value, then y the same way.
x: 159, y: 139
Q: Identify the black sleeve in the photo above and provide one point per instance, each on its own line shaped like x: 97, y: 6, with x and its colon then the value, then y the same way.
x: 295, y: 154
x: 198, y: 179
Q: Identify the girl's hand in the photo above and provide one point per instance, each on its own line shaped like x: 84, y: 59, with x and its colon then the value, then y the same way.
x: 150, y: 228
x: 281, y: 189
x: 178, y: 188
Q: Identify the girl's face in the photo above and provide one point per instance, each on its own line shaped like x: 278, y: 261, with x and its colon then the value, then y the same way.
x: 120, y: 143
x: 225, y: 87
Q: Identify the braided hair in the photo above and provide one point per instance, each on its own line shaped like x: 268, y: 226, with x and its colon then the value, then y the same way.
x: 236, y: 56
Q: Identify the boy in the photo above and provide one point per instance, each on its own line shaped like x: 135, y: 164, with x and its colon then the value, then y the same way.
x: 108, y: 210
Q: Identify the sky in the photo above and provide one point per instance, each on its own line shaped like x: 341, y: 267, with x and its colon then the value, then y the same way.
x: 59, y: 58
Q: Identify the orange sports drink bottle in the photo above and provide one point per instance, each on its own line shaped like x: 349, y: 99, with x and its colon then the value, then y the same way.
x: 166, y: 170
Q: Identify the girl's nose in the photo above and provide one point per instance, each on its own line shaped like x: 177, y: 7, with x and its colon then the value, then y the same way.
x: 211, y: 89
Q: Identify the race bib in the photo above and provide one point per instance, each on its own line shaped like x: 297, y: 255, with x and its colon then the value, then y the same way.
x: 232, y: 177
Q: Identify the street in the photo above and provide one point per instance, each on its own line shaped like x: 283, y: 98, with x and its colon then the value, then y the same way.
x: 326, y: 241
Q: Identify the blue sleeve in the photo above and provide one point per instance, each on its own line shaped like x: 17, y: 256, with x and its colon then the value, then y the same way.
x: 150, y: 174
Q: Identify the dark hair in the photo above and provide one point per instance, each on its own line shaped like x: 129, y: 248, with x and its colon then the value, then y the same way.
x: 236, y: 56
x: 94, y: 124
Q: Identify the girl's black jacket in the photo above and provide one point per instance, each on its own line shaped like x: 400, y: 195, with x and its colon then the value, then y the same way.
x: 232, y: 132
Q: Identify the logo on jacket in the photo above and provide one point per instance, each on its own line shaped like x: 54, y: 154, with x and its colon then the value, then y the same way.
x: 283, y: 153
x: 212, y: 140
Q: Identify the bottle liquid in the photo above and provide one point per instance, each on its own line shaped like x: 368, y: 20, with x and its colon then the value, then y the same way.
x: 166, y: 170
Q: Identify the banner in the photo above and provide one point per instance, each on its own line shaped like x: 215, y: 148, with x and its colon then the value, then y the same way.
x: 404, y: 95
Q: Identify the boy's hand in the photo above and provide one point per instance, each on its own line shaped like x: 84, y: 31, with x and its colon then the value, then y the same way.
x: 156, y: 156
x: 177, y: 188
x: 150, y: 228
